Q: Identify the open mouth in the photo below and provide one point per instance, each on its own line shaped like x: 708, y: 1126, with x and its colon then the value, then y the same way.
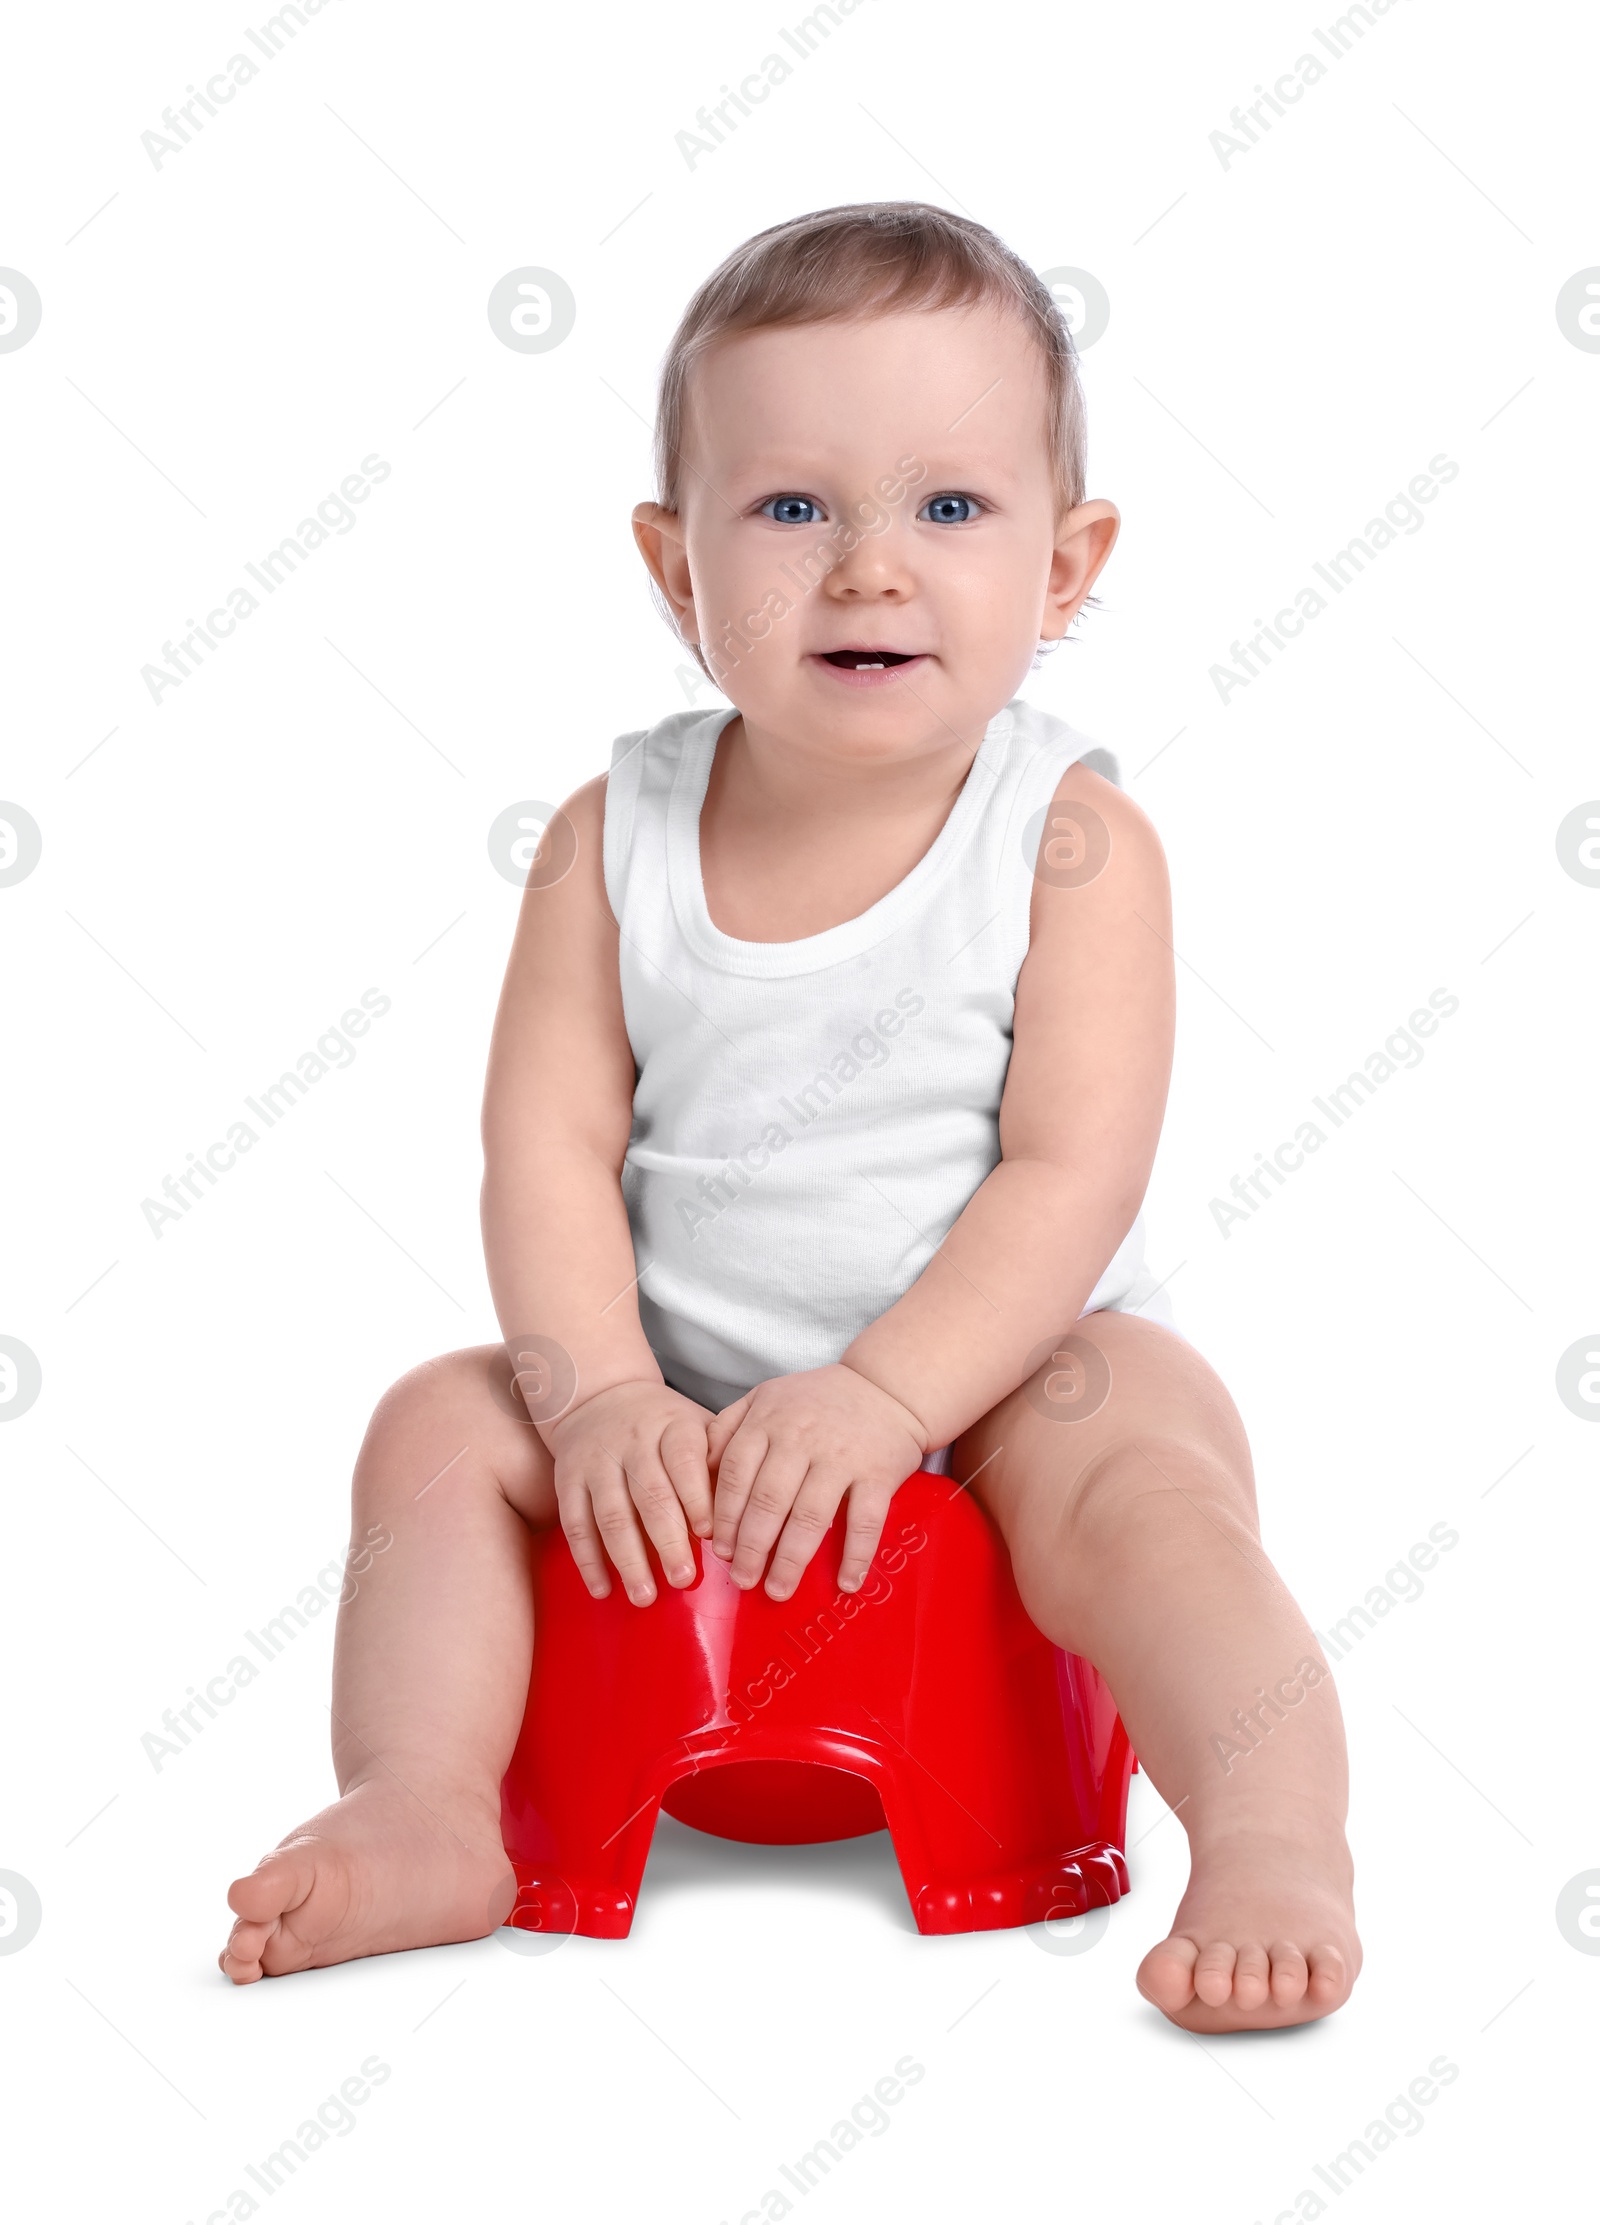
x: 867, y: 660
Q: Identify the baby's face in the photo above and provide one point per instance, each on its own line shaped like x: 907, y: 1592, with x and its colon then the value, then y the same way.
x: 868, y: 549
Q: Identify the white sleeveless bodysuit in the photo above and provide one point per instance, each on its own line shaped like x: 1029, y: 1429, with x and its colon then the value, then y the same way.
x: 811, y: 1117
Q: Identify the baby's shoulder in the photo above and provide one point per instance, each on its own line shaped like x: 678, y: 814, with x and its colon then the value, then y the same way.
x: 1058, y: 766
x: 1126, y: 822
x: 1100, y: 869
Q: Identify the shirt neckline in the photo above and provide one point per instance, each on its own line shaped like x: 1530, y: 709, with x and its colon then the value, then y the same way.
x: 809, y: 953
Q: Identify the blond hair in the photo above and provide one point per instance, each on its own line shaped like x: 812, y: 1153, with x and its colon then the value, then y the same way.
x: 872, y: 258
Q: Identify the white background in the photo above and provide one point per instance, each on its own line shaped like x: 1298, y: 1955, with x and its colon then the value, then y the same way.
x: 1291, y: 339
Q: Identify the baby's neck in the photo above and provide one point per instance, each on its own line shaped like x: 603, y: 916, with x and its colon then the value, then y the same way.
x: 795, y: 840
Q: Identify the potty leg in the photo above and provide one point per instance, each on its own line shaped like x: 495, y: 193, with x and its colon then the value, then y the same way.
x: 1019, y: 1824
x: 578, y: 1864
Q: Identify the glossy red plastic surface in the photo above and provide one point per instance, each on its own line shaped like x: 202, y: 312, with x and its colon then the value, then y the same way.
x: 926, y: 1700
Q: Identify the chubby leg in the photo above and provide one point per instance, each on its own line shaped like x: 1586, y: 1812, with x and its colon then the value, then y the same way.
x: 1134, y: 1540
x: 430, y: 1676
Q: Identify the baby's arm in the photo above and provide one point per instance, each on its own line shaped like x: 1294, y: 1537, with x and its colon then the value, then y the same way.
x: 557, y: 1113
x: 1079, y: 1123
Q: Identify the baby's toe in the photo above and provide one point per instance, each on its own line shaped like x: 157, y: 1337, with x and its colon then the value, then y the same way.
x: 1252, y: 1975
x: 279, y: 1880
x: 240, y: 1959
x: 1166, y: 1975
x: 286, y: 1951
x: 1329, y: 1981
x: 1213, y: 1973
x: 257, y: 1946
x: 1289, y: 1973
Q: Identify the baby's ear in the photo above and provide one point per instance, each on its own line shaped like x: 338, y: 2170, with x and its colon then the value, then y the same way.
x: 659, y: 535
x: 1085, y: 537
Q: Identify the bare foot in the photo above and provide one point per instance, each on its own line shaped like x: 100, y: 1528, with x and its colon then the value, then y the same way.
x: 1265, y: 1935
x: 376, y: 1872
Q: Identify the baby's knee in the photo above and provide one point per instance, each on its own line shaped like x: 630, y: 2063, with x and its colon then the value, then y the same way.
x: 430, y: 1402
x: 458, y: 1423
x: 1139, y: 1494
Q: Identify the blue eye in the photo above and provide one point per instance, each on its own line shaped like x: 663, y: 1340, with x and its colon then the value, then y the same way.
x: 949, y: 509
x: 792, y: 509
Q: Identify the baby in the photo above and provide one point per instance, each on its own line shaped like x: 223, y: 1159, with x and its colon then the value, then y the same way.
x: 767, y: 1294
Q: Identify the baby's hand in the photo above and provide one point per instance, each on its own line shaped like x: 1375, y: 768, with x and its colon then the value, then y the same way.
x: 786, y: 1454
x: 636, y: 1446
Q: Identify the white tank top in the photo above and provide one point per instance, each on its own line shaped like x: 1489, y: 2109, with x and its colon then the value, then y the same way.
x: 811, y: 1117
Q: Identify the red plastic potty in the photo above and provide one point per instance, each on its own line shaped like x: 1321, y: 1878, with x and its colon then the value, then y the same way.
x: 927, y: 1700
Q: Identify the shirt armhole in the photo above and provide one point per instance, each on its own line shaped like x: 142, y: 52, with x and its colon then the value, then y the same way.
x: 622, y: 792
x: 1103, y: 762
x: 1049, y: 768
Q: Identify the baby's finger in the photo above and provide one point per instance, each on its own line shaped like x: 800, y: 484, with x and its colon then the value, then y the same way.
x: 619, y: 1531
x: 809, y: 1520
x: 869, y: 1509
x: 578, y: 1525
x: 722, y: 1426
x: 772, y: 1494
x: 737, y: 1469
x: 685, y: 1458
x: 661, y: 1511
